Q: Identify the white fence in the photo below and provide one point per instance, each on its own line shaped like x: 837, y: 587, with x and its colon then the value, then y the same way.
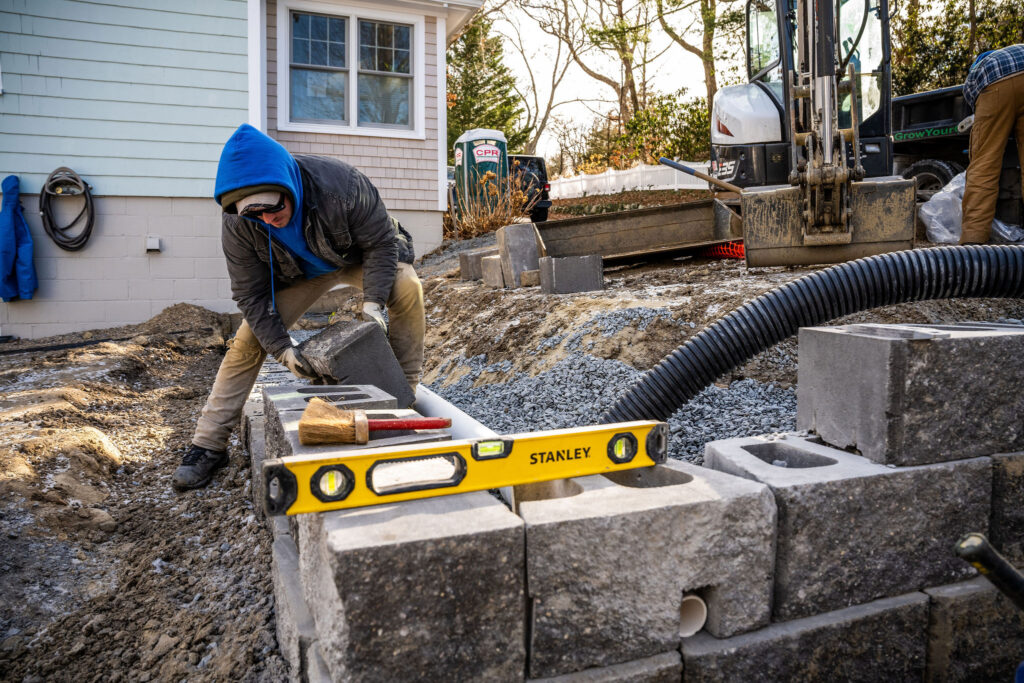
x: 643, y: 177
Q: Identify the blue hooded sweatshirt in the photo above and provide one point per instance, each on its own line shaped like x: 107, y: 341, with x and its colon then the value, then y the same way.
x: 17, y: 272
x: 251, y: 158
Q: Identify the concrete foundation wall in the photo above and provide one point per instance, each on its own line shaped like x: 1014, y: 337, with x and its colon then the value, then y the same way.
x: 113, y: 280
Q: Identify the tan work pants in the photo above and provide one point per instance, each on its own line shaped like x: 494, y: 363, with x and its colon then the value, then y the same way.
x: 998, y: 111
x: 245, y: 355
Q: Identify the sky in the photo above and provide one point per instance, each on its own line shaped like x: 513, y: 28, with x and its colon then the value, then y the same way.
x: 676, y: 68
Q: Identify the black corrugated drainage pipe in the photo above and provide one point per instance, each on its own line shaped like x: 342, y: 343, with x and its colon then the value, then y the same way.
x: 914, y: 275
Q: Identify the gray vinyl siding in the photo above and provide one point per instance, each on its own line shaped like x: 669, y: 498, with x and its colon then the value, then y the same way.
x: 137, y: 96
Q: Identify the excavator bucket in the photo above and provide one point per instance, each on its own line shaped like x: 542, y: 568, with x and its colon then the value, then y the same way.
x: 881, y: 220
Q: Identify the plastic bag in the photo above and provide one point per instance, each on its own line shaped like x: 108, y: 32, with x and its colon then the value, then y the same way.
x: 942, y: 214
x: 1006, y: 233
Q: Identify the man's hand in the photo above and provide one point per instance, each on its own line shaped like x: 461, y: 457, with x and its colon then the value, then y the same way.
x: 293, y: 360
x: 373, y: 312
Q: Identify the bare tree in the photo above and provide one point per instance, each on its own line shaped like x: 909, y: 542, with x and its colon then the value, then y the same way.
x: 596, y: 31
x: 703, y: 18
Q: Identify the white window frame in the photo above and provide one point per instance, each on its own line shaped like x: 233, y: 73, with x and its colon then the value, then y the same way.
x: 353, y: 12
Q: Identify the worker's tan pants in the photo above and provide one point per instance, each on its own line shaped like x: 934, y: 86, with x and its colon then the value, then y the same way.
x: 245, y: 355
x: 998, y: 111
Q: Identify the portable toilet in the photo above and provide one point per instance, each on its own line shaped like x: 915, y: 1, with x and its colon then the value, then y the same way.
x: 478, y: 151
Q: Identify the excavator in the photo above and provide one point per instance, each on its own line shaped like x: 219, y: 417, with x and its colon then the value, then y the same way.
x: 808, y: 140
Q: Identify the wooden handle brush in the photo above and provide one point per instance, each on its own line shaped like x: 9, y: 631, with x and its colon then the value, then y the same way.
x: 323, y: 423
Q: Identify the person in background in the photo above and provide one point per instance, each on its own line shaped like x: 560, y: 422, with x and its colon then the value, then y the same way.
x: 293, y: 228
x: 994, y: 89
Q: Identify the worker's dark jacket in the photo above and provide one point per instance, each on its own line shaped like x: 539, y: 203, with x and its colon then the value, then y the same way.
x: 344, y: 222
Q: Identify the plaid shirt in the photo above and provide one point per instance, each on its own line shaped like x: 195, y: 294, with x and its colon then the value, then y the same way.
x: 993, y: 67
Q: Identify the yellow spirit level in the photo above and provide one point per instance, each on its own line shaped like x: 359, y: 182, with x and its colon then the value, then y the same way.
x: 371, y: 476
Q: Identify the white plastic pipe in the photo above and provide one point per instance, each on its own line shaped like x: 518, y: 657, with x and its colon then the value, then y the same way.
x: 693, y: 612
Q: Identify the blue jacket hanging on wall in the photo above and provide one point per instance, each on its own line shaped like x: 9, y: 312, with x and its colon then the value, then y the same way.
x: 17, y: 273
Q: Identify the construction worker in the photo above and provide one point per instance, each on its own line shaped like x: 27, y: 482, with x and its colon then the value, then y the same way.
x: 995, y: 90
x: 292, y: 229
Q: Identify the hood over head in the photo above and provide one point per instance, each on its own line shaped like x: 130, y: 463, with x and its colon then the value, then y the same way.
x: 252, y: 162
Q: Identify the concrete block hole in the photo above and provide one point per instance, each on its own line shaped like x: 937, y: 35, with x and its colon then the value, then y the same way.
x: 649, y: 477
x: 547, y: 490
x: 781, y: 454
x: 693, y: 613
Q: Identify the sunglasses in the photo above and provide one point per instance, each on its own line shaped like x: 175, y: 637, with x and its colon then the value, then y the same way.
x: 257, y: 210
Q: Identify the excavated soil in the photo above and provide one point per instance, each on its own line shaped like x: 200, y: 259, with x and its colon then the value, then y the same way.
x: 107, y: 574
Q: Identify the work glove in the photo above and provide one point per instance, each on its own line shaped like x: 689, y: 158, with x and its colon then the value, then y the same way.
x: 299, y: 366
x: 965, y: 125
x: 374, y: 312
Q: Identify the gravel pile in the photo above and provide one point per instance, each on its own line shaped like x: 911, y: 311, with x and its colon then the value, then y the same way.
x: 578, y: 389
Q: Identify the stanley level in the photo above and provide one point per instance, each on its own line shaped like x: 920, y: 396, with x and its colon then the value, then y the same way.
x: 372, y: 476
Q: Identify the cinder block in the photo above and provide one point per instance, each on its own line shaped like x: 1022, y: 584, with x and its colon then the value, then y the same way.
x: 519, y: 248
x: 358, y: 353
x: 296, y: 631
x: 663, y: 668
x: 851, y: 530
x: 913, y: 394
x: 429, y: 589
x: 884, y: 640
x: 609, y: 561
x: 975, y: 633
x: 1006, y: 526
x: 490, y: 267
x: 470, y: 266
x: 291, y: 396
x: 571, y: 274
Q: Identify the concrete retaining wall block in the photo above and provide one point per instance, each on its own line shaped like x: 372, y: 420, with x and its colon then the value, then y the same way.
x: 295, y: 629
x: 884, y: 640
x: 470, y: 266
x: 1006, y: 530
x: 851, y: 530
x: 608, y: 563
x: 663, y: 668
x: 913, y: 394
x: 422, y: 590
x: 490, y: 268
x: 975, y: 633
x: 519, y: 248
x: 571, y: 274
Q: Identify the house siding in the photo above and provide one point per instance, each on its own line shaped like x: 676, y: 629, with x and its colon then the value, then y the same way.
x: 407, y: 174
x: 137, y: 96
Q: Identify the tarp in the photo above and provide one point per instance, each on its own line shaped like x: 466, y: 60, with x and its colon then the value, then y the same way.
x: 16, y: 269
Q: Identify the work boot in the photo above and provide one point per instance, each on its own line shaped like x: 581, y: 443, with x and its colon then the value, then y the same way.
x: 197, y: 468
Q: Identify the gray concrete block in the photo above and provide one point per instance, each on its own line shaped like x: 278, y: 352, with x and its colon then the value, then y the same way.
x: 296, y: 631
x: 610, y: 558
x: 347, y: 396
x: 1006, y: 526
x: 884, y: 640
x: 470, y: 266
x: 519, y: 248
x: 317, y: 671
x: 913, y: 394
x: 975, y: 633
x: 421, y: 590
x: 851, y: 530
x: 664, y: 668
x: 491, y: 268
x: 358, y: 353
x: 529, y: 278
x: 255, y: 442
x: 571, y: 274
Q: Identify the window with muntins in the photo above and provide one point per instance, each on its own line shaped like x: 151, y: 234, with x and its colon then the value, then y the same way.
x: 336, y: 61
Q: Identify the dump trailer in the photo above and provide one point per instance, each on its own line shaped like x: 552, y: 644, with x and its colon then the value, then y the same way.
x: 809, y: 138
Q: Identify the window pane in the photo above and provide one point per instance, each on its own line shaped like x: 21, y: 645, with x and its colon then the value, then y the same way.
x: 385, y: 33
x: 402, y: 37
x: 401, y: 61
x: 384, y: 58
x: 367, y: 59
x: 337, y: 31
x: 318, y: 95
x: 318, y: 28
x: 300, y: 51
x: 300, y: 25
x: 337, y: 54
x: 384, y: 100
x: 318, y: 52
x: 366, y: 33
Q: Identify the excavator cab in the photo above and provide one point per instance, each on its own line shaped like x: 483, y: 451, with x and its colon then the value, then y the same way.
x: 809, y: 137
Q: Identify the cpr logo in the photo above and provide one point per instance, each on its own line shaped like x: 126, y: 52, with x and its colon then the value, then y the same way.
x: 486, y: 153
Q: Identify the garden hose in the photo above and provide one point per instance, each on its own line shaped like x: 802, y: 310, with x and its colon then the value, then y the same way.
x: 64, y: 182
x: 995, y: 271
